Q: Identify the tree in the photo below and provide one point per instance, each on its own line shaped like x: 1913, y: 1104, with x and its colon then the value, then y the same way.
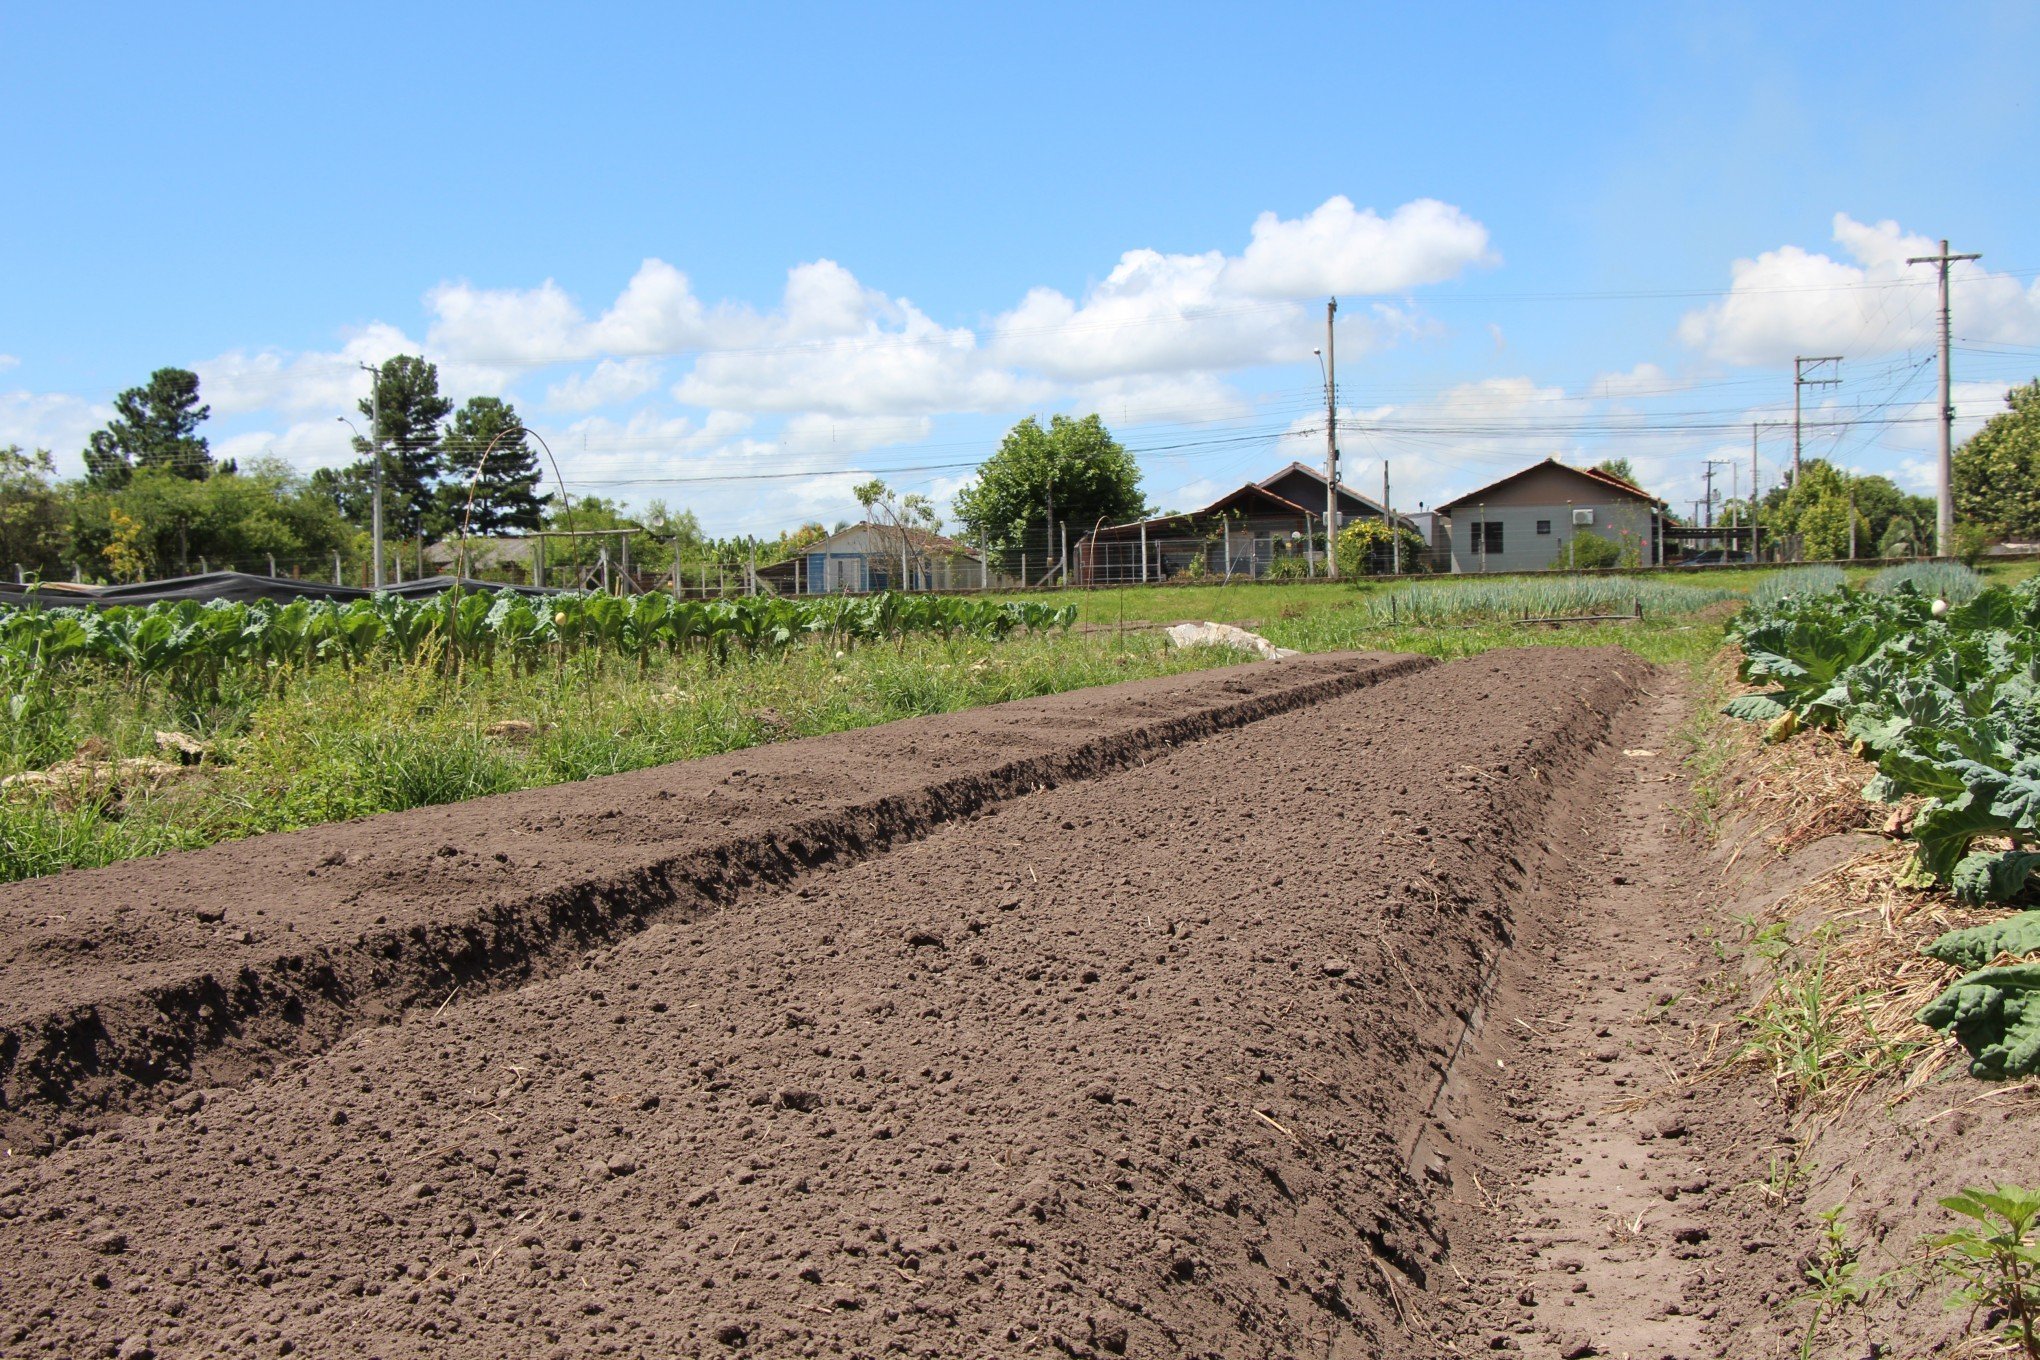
x: 32, y: 527
x: 166, y: 522
x: 904, y: 521
x: 153, y: 427
x: 407, y: 409
x: 1074, y: 464
x: 1617, y: 467
x: 1823, y: 526
x: 505, y: 490
x: 1996, y: 472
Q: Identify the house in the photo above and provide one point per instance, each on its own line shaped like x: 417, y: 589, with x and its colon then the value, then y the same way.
x: 1525, y: 521
x: 1257, y: 530
x: 868, y: 557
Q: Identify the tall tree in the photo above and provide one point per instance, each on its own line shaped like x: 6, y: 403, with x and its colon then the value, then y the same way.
x: 32, y: 529
x: 154, y: 426
x: 505, y: 489
x: 1996, y: 472
x: 407, y: 409
x: 1617, y: 467
x: 1074, y: 465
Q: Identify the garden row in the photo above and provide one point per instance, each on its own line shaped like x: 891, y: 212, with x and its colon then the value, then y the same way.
x: 1942, y: 692
x: 194, y: 644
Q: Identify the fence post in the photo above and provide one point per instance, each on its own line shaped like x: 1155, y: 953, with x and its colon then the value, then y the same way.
x: 984, y: 564
x: 602, y: 562
x: 1226, y: 525
x: 336, y: 566
x: 751, y: 570
x: 272, y: 563
x: 1143, y: 552
x: 1065, y: 559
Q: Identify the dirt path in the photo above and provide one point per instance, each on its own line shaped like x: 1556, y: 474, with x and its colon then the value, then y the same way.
x: 1128, y: 1066
x: 1611, y: 1203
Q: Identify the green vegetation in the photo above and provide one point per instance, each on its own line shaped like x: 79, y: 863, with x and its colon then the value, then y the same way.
x: 1945, y: 699
x: 1950, y: 581
x: 320, y: 742
x: 1996, y: 472
x: 1996, y: 1262
x: 1834, y: 1278
x: 1073, y: 472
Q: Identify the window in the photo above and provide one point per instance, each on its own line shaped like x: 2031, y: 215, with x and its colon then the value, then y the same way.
x: 1484, y: 536
x: 1543, y: 526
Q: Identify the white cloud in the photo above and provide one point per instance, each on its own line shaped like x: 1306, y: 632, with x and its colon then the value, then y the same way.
x: 305, y: 445
x: 1159, y: 313
x: 1341, y: 249
x: 55, y: 421
x: 609, y: 382
x: 1142, y: 400
x: 1792, y: 301
x: 8, y: 361
x: 838, y: 349
x: 810, y: 432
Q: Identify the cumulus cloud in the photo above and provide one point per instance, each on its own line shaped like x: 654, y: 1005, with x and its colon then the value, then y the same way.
x: 609, y: 382
x: 305, y: 445
x: 1870, y: 302
x: 1341, y: 249
x: 812, y: 432
x: 55, y: 421
x: 836, y: 348
x: 1162, y: 313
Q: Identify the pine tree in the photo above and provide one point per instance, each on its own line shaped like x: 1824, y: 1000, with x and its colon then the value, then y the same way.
x: 155, y: 426
x: 408, y: 409
x: 505, y: 491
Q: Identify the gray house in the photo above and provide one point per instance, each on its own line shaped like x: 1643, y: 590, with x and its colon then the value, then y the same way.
x: 1525, y: 521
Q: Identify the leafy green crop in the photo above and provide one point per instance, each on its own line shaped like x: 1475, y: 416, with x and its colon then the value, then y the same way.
x: 1945, y: 699
x: 193, y: 647
x: 1973, y: 948
x: 1995, y: 1012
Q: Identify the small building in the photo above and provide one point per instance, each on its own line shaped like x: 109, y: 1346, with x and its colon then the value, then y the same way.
x: 1255, y: 531
x: 1525, y: 521
x: 869, y: 557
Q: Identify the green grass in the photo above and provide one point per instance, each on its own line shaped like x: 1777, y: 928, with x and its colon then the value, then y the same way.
x: 327, y: 743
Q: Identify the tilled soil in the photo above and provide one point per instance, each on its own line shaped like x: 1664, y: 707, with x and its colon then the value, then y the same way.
x: 121, y: 987
x: 1134, y: 1065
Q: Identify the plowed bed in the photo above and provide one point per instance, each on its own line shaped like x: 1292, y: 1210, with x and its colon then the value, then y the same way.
x: 1131, y: 1065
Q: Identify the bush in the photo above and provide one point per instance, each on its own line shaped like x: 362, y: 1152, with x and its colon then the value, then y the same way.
x: 1589, y: 552
x: 1366, y: 549
x: 1972, y: 541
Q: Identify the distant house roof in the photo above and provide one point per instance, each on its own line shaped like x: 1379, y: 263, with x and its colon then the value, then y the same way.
x: 1359, y: 503
x: 1604, y: 482
x: 920, y: 540
x: 1251, y: 498
x: 481, y: 552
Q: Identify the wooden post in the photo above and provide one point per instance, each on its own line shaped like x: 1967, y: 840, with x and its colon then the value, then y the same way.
x: 623, y: 551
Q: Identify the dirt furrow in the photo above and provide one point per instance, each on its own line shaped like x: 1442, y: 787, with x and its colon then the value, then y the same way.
x: 1129, y: 1066
x: 120, y: 987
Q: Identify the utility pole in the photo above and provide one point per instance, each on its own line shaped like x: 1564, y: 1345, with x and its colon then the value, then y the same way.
x: 1331, y: 445
x: 1944, y: 515
x: 1800, y: 380
x: 1388, y: 519
x: 1753, y: 491
x: 375, y: 519
x: 1707, y: 479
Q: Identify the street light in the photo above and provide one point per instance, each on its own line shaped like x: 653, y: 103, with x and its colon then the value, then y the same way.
x: 375, y: 529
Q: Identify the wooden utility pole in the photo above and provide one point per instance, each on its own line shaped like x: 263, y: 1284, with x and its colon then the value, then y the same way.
x: 1944, y: 513
x: 1799, y: 381
x: 1331, y: 444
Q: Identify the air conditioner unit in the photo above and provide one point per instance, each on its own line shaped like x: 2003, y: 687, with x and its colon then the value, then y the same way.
x: 1583, y: 514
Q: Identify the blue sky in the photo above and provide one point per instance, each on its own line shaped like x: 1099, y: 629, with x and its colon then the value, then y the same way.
x: 702, y: 243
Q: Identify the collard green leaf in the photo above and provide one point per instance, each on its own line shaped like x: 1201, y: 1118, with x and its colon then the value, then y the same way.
x: 1994, y: 876
x: 1995, y: 1014
x: 1973, y: 948
x: 1754, y: 708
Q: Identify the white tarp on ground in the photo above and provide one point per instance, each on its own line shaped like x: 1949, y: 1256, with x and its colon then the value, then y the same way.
x: 1225, y: 635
